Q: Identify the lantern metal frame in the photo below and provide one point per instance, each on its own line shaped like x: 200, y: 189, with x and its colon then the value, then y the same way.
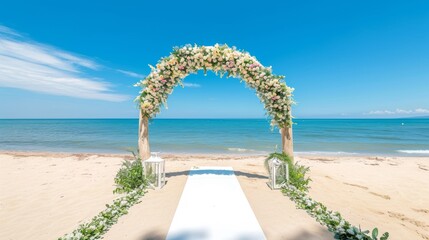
x: 278, y: 173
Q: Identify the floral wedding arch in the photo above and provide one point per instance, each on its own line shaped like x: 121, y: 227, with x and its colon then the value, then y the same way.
x: 169, y: 72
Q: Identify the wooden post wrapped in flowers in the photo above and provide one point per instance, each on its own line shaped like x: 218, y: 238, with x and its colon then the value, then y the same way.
x: 144, y: 149
x: 169, y: 72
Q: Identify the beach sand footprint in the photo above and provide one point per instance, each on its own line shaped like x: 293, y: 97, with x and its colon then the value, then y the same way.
x: 406, y: 219
x: 377, y: 158
x: 324, y: 160
x: 423, y: 167
x: 356, y: 185
x: 377, y: 212
x: 384, y: 196
x: 372, y: 164
x: 387, y: 197
x: 421, y: 210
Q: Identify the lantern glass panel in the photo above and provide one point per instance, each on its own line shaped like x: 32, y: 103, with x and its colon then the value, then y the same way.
x: 154, y: 170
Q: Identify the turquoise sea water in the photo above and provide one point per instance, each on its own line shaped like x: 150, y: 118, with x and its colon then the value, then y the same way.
x: 406, y: 137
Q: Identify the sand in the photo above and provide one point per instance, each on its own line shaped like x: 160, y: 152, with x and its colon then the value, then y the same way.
x: 45, y: 195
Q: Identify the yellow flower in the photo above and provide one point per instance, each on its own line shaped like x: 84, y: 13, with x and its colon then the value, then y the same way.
x: 146, y: 105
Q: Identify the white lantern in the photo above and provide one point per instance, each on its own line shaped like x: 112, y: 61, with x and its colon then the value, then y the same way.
x: 154, y: 171
x: 279, y: 173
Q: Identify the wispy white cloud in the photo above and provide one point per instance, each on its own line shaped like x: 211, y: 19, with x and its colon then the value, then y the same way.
x: 379, y: 112
x: 399, y: 112
x: 8, y: 31
x: 32, y: 66
x: 191, y: 85
x: 421, y: 110
x: 131, y: 74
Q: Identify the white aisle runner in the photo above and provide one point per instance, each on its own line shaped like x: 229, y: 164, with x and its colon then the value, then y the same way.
x: 213, y: 206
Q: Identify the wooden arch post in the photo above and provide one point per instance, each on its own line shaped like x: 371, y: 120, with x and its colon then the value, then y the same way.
x: 287, y: 139
x: 144, y: 149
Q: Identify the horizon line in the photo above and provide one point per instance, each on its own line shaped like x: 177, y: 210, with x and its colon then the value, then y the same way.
x: 226, y: 118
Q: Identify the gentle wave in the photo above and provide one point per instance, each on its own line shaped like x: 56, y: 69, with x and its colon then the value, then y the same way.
x: 414, y: 151
x: 247, y: 151
x: 240, y: 150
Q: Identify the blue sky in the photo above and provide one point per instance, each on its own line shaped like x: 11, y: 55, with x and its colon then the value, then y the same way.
x: 345, y: 59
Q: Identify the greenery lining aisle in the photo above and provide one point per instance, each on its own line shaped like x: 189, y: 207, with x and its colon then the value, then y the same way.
x: 297, y: 190
x: 129, y: 180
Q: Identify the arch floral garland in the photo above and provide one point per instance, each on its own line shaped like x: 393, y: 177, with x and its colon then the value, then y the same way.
x: 168, y: 73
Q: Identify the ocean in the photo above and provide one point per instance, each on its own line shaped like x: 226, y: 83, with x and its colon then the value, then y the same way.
x: 401, y: 137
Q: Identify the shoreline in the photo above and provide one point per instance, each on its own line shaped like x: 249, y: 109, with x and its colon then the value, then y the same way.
x: 203, y: 155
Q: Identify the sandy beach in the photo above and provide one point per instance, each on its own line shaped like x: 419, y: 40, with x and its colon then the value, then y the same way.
x: 45, y: 195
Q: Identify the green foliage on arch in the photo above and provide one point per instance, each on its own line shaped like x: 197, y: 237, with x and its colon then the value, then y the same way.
x: 169, y: 72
